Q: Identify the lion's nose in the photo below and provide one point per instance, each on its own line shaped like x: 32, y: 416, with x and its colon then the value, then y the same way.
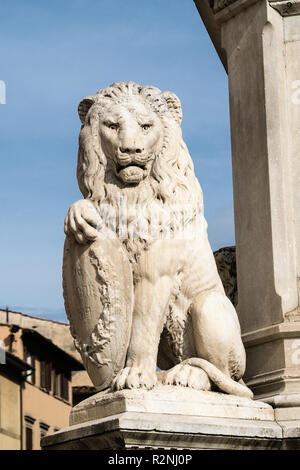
x: 130, y: 149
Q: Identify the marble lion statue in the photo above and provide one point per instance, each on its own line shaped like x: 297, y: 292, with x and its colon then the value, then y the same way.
x: 141, y: 287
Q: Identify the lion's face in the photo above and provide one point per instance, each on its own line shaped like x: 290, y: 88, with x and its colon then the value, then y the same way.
x: 131, y: 134
x: 130, y: 143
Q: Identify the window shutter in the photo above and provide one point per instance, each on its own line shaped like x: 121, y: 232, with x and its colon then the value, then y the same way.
x: 30, y: 360
x: 33, y: 371
x: 42, y: 374
x: 64, y: 387
x: 55, y: 390
x: 48, y: 381
x: 24, y: 353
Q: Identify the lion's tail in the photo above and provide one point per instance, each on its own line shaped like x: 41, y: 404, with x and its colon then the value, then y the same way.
x: 222, y: 381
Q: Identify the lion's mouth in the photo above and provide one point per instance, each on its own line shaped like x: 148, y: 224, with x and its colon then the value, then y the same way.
x: 130, y: 165
x: 132, y: 173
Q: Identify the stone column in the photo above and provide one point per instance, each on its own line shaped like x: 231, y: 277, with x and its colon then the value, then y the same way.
x: 260, y: 40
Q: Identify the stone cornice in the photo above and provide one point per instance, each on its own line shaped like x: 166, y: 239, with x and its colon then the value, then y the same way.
x: 224, y: 9
x: 285, y: 7
x: 218, y: 5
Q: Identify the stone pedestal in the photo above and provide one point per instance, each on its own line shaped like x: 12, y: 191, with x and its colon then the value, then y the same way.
x: 259, y: 44
x: 171, y: 417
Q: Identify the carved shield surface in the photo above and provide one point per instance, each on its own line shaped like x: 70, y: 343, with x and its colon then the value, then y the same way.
x: 98, y: 293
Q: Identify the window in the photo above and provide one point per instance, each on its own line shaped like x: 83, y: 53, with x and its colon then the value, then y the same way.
x: 64, y: 387
x: 29, y: 422
x: 57, y: 387
x: 28, y: 438
x: 61, y: 388
x: 2, y: 352
x: 30, y: 360
x: 45, y: 375
x: 43, y: 429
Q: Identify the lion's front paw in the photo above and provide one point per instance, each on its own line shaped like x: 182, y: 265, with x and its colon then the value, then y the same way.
x: 134, y: 377
x: 82, y: 221
x: 186, y: 376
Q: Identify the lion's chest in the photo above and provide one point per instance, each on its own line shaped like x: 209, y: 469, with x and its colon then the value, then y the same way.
x: 155, y: 259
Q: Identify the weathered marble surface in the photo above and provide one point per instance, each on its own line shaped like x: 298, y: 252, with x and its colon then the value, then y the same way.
x: 133, y: 430
x: 170, y: 400
x: 172, y: 417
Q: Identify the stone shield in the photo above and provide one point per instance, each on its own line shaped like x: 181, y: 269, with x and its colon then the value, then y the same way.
x: 98, y: 294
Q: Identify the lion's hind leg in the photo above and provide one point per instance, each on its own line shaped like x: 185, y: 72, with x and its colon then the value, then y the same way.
x: 218, y: 342
x: 176, y: 345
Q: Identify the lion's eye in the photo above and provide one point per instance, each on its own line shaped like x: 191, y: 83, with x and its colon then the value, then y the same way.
x: 146, y: 127
x: 113, y: 126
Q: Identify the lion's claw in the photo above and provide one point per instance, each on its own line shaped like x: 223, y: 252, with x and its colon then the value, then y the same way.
x: 134, y: 377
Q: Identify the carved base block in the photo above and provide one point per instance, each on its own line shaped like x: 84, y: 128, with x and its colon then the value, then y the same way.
x: 273, y: 355
x: 171, y: 418
x: 170, y: 400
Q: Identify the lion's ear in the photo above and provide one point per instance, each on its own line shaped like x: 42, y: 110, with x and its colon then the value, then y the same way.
x: 84, y: 107
x: 174, y: 105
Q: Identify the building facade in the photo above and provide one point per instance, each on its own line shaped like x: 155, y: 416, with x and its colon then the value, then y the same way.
x: 12, y: 375
x: 35, y: 387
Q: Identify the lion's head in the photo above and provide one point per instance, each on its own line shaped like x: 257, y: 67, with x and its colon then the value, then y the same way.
x: 131, y: 136
x: 130, y: 141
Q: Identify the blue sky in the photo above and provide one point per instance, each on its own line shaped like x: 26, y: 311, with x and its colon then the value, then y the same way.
x: 52, y: 55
